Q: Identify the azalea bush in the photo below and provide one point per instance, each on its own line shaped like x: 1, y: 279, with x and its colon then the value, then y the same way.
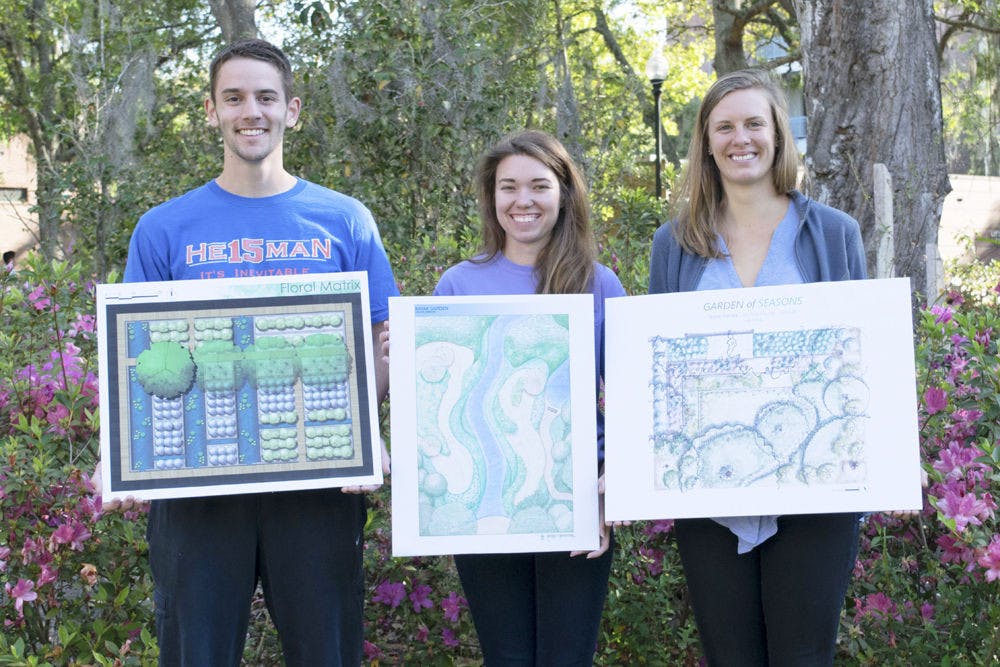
x: 928, y: 590
x: 75, y: 585
x: 415, y: 612
x: 648, y: 619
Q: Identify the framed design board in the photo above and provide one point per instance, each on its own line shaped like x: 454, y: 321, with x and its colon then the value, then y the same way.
x: 237, y: 385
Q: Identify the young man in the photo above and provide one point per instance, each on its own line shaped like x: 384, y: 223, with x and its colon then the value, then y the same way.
x: 207, y: 554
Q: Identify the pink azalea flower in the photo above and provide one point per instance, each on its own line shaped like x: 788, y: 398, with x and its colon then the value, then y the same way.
x: 656, y: 527
x: 965, y: 508
x: 21, y: 592
x: 953, y: 459
x: 32, y: 550
x: 927, y: 612
x: 966, y: 416
x: 955, y: 551
x: 38, y: 299
x: 990, y: 559
x: 942, y: 314
x: 877, y: 605
x: 48, y: 575
x: 371, y: 651
x: 72, y: 533
x: 4, y: 556
x: 448, y: 637
x: 390, y: 594
x: 85, y: 324
x: 655, y: 558
x: 935, y: 400
x: 958, y: 340
x: 56, y: 414
x: 422, y: 633
x: 956, y: 368
x: 453, y: 605
x: 420, y: 597
x: 61, y: 535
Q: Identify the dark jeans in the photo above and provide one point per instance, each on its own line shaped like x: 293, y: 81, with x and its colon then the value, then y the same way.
x: 539, y: 609
x: 207, y: 554
x: 778, y: 604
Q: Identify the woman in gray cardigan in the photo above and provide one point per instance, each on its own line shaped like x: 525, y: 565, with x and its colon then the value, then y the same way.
x: 765, y: 590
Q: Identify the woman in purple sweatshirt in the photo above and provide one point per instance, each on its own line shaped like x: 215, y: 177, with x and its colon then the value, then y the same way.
x: 536, y: 608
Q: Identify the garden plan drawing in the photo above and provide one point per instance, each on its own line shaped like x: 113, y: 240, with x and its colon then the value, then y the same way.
x: 490, y: 453
x: 263, y: 386
x: 765, y: 409
x: 792, y: 399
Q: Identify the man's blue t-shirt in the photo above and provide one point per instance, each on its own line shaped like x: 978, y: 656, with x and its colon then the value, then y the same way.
x: 211, y: 233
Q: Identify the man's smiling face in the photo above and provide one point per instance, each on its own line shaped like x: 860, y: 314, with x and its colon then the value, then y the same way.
x: 249, y: 107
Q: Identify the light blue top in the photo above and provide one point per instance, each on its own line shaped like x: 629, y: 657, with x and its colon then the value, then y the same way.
x: 779, y: 268
x: 827, y: 247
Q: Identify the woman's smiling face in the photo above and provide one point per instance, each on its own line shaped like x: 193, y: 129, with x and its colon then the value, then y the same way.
x: 741, y: 137
x: 527, y: 206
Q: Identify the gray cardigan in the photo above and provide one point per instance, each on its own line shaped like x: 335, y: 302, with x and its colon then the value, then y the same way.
x: 828, y: 247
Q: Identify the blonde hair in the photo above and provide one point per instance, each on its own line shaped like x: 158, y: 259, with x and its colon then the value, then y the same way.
x: 566, y: 263
x: 701, y: 195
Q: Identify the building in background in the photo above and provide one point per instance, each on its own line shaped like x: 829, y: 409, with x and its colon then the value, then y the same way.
x: 970, y: 221
x: 18, y: 192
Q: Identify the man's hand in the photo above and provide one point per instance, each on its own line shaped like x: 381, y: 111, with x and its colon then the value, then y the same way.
x: 386, y: 469
x: 128, y: 504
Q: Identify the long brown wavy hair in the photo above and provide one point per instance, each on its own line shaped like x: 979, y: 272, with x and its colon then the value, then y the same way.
x: 566, y: 263
x: 701, y: 195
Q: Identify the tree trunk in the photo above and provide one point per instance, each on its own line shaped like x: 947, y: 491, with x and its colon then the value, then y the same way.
x: 872, y: 91
x: 44, y: 142
x: 235, y: 18
x: 567, y: 114
x: 729, y: 55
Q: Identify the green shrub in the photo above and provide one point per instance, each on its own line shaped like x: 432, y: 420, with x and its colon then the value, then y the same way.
x: 76, y: 589
x: 76, y: 586
x: 927, y: 591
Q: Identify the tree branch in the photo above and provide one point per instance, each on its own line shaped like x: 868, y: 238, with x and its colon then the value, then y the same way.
x: 962, y: 23
x: 603, y: 28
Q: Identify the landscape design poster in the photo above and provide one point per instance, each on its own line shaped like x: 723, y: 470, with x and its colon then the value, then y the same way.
x: 763, y: 401
x: 239, y: 385
x: 493, y: 408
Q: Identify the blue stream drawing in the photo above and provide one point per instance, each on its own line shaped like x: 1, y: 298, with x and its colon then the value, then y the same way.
x: 475, y: 409
x: 557, y: 387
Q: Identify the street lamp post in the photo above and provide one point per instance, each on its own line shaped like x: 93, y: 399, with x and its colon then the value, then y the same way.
x: 656, y: 70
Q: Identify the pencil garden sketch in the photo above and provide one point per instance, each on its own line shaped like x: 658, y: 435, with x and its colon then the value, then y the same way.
x: 772, y: 408
x: 493, y: 424
x: 771, y: 400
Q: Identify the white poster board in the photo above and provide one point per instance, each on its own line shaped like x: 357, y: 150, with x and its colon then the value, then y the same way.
x: 794, y: 399
x: 493, y: 407
x: 237, y: 385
